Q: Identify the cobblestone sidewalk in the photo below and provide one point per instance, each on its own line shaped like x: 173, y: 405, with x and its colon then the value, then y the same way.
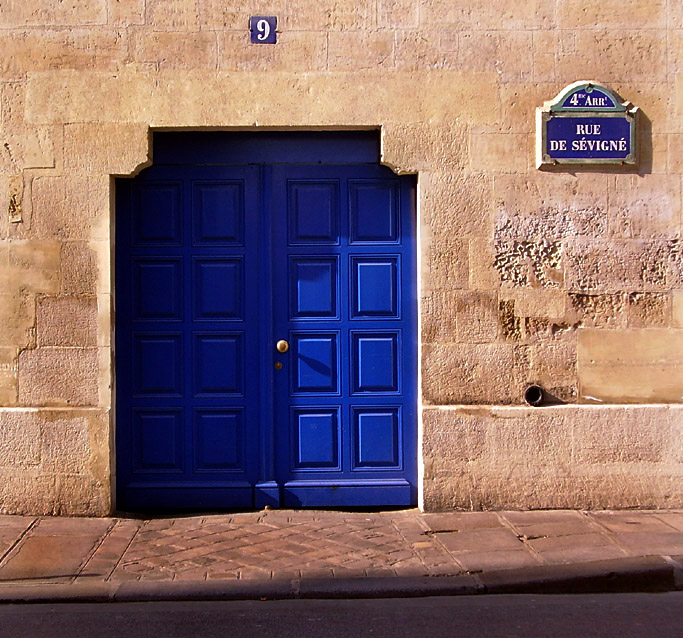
x: 287, y: 544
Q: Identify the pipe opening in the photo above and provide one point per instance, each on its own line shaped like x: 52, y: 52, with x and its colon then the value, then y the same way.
x: 534, y: 395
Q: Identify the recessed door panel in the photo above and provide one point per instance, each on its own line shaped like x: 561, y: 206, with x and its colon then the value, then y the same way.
x: 313, y: 212
x: 315, y: 357
x: 158, y: 364
x: 315, y: 438
x: 218, y: 288
x: 219, y: 439
x: 218, y: 364
x: 375, y: 362
x: 314, y: 287
x: 157, y: 289
x: 375, y: 287
x: 377, y: 437
x: 158, y: 442
x: 156, y: 214
x: 374, y: 211
x: 218, y: 215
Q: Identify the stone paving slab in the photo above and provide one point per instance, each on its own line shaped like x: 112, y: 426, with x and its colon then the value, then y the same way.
x: 288, y: 546
x: 12, y: 529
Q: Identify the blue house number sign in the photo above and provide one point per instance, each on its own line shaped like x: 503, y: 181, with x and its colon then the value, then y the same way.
x: 263, y: 29
x: 586, y: 124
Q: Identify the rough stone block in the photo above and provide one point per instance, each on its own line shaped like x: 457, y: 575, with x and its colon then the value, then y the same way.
x: 631, y: 366
x: 553, y: 367
x: 476, y: 317
x: 79, y: 269
x: 19, y: 13
x: 420, y: 50
x: 459, y: 316
x: 537, y: 302
x: 469, y: 373
x: 676, y: 445
x: 616, y: 55
x: 449, y: 437
x: 480, y: 14
x: 439, y: 312
x: 587, y: 457
x: 397, y: 13
x: 34, y: 264
x: 598, y: 310
x: 58, y: 376
x: 649, y: 310
x: 79, y: 495
x: 622, y: 435
x: 525, y: 443
x: 454, y: 204
x: 520, y: 100
x: 295, y: 51
x: 126, y: 12
x: 358, y: 50
x: 678, y: 308
x: 546, y: 46
x: 105, y: 148
x: 656, y: 104
x: 17, y: 317
x: 8, y: 376
x: 482, y: 257
x: 30, y: 491
x: 65, y: 443
x: 66, y: 321
x: 675, y: 149
x: 447, y: 261
x: 491, y: 152
x: 611, y: 14
x: 176, y: 49
x: 550, y: 205
x: 293, y: 15
x: 24, y: 146
x: 511, y: 326
x: 19, y: 439
x: 71, y: 207
x: 645, y: 207
x: 675, y: 50
x: 28, y: 51
x: 172, y: 15
x: 537, y: 264
x: 406, y: 148
x: 612, y: 266
x: 219, y: 15
x: 184, y: 98
x: 480, y: 50
x: 653, y: 151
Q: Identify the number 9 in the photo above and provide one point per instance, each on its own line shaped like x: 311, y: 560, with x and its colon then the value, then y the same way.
x: 263, y: 29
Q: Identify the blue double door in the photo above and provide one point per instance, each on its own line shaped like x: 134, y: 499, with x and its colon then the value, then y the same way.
x: 265, y: 337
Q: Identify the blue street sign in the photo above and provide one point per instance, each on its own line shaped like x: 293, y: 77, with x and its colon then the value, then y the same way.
x: 588, y: 138
x: 586, y: 124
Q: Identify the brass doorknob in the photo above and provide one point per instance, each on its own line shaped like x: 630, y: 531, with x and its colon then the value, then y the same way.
x: 282, y: 346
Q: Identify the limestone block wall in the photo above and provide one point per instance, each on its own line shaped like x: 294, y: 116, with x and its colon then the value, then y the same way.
x: 569, y: 278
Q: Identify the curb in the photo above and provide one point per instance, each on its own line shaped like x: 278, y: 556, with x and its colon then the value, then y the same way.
x: 645, y: 574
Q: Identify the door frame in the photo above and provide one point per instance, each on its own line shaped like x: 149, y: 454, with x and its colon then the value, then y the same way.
x: 244, y: 147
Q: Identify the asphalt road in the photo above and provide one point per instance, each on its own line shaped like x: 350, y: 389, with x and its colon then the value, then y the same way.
x: 570, y: 616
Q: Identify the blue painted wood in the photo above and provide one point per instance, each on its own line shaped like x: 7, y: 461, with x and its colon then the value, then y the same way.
x: 188, y: 390
x: 214, y: 264
x: 345, y: 400
x: 267, y: 147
